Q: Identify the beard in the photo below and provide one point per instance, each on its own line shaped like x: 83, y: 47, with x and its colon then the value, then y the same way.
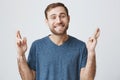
x: 59, y: 32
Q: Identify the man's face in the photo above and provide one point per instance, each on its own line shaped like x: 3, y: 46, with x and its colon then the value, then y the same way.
x: 58, y: 20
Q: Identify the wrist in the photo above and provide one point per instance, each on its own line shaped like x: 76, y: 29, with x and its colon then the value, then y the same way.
x: 20, y: 53
x: 91, y: 50
x: 91, y: 53
x: 19, y: 56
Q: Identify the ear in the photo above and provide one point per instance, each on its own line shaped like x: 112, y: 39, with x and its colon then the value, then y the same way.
x: 69, y: 18
x: 46, y: 21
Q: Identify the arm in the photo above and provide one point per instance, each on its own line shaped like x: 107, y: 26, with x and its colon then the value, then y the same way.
x: 25, y: 72
x: 88, y: 73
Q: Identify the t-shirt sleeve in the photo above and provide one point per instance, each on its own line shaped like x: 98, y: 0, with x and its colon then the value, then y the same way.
x: 84, y: 57
x: 32, y: 57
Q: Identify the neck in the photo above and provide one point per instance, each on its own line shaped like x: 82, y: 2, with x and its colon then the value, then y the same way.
x: 58, y: 39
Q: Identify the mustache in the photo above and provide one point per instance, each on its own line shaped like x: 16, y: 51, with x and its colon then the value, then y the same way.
x: 59, y: 24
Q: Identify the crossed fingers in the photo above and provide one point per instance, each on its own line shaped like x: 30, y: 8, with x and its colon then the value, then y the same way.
x: 96, y: 33
x: 19, y: 39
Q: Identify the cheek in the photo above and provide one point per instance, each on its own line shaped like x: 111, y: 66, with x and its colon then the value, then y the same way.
x: 50, y: 23
x: 66, y: 20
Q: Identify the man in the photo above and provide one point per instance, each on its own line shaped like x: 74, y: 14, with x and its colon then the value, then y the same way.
x: 57, y: 56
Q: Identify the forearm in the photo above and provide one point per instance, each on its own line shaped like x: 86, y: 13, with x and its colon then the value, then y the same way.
x: 90, y: 69
x: 88, y: 73
x: 24, y: 70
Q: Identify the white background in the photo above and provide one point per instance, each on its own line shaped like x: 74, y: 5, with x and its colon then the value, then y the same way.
x: 86, y: 15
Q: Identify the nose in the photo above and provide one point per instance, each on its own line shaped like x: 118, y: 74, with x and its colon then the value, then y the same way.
x: 58, y: 20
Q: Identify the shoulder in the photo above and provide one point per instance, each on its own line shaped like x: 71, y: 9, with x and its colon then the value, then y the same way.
x: 78, y: 44
x: 77, y: 41
x: 40, y: 41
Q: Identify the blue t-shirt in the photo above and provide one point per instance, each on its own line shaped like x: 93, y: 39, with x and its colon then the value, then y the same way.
x: 53, y: 62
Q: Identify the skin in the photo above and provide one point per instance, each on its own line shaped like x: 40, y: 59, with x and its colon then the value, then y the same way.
x: 58, y: 22
x: 88, y: 73
x: 25, y: 72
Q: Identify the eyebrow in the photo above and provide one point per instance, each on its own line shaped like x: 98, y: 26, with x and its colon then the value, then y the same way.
x: 55, y: 14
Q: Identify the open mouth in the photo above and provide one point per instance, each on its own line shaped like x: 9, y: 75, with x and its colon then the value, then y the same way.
x: 59, y: 28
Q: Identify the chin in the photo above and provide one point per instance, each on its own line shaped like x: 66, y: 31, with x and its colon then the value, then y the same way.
x: 59, y: 33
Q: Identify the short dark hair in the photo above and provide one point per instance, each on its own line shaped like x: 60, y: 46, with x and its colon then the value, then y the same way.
x: 54, y: 5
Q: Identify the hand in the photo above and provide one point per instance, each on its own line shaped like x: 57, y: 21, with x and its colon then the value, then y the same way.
x: 92, y: 41
x: 21, y: 44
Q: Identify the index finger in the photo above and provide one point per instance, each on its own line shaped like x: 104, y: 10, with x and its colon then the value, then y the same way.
x: 97, y: 33
x: 18, y: 35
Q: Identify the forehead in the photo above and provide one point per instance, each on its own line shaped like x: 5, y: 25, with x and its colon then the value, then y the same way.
x: 56, y: 11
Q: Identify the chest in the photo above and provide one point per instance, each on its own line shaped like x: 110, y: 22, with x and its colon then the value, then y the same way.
x: 58, y: 56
